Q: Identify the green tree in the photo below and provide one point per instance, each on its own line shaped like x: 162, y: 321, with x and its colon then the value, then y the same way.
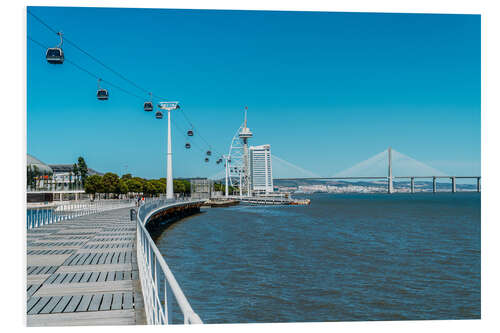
x: 127, y: 176
x: 134, y: 185
x: 30, y: 176
x: 122, y: 187
x: 75, y: 173
x: 149, y: 188
x: 94, y: 185
x: 83, y: 171
x: 110, y: 182
x: 179, y: 186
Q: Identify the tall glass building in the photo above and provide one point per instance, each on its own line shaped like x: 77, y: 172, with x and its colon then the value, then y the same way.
x: 261, y: 174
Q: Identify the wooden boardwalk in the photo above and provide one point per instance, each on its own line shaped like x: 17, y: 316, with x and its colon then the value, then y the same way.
x: 84, y: 272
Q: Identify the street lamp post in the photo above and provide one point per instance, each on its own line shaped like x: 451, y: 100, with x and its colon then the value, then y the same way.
x: 169, y: 106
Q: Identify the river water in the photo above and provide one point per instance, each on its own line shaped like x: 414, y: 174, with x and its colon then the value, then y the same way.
x: 346, y: 257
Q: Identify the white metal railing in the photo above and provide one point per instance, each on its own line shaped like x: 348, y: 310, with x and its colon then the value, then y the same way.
x: 37, y: 217
x: 157, y: 280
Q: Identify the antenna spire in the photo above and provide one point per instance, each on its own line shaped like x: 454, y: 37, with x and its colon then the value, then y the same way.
x: 246, y: 108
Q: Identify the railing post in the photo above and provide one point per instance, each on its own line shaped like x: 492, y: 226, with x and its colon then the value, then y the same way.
x: 412, y: 184
x: 478, y: 184
x: 433, y: 184
x: 453, y: 185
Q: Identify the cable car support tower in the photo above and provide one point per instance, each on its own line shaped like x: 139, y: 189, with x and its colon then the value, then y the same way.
x: 239, y: 167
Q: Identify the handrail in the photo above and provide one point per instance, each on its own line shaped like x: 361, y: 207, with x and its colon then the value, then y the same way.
x: 156, y: 293
x: 40, y: 216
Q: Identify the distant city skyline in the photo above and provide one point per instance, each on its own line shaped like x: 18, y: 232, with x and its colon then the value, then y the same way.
x: 326, y: 90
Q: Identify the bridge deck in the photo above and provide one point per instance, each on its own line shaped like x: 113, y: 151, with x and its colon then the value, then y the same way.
x: 84, y: 272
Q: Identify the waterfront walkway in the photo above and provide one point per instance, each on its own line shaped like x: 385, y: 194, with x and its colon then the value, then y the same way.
x: 84, y: 271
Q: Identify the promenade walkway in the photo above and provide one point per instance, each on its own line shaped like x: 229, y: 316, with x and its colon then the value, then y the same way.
x: 84, y: 271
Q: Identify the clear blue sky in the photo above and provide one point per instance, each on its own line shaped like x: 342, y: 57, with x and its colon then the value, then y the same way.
x: 326, y: 90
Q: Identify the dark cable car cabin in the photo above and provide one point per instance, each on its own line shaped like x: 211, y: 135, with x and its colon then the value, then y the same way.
x: 206, y: 159
x: 190, y: 133
x: 55, y: 55
x: 148, y: 106
x: 159, y: 115
x: 102, y: 94
x: 188, y: 145
x: 209, y: 153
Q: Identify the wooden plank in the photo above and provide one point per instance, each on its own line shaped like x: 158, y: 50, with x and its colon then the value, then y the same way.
x: 102, y: 276
x: 127, y: 301
x: 106, y: 302
x: 39, y: 305
x: 84, y: 304
x: 51, y: 278
x: 31, y: 303
x: 62, y: 304
x: 51, y: 304
x: 94, y: 268
x: 75, y: 300
x: 96, y: 302
x: 64, y: 289
x: 33, y: 288
x: 115, y: 317
x: 37, y: 279
x: 117, y: 301
x: 46, y: 260
x: 93, y: 277
x: 111, y: 276
x: 68, y: 278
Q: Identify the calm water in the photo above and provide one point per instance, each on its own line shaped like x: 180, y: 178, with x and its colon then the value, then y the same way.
x: 343, y: 258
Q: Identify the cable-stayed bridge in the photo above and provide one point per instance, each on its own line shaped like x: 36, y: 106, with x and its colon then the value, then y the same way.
x: 387, y: 165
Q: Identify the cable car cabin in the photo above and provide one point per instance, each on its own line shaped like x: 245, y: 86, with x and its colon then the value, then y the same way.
x: 188, y: 145
x: 206, y: 159
x: 190, y: 133
x: 209, y: 153
x: 55, y: 55
x: 102, y: 94
x: 148, y: 106
x: 159, y: 115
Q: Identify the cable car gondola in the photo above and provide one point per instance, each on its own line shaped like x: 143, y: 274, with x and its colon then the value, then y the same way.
x: 188, y: 145
x: 206, y: 159
x: 209, y: 153
x: 159, y: 115
x: 102, y: 94
x: 190, y: 133
x: 55, y: 55
x: 148, y: 106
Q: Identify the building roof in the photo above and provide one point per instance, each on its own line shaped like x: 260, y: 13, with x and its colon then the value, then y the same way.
x: 42, y: 167
x: 60, y: 168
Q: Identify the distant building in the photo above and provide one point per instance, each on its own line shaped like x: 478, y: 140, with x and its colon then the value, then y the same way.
x: 261, y: 174
x: 63, y: 174
x: 201, y: 188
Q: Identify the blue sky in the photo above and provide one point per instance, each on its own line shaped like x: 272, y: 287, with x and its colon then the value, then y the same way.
x: 326, y: 90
